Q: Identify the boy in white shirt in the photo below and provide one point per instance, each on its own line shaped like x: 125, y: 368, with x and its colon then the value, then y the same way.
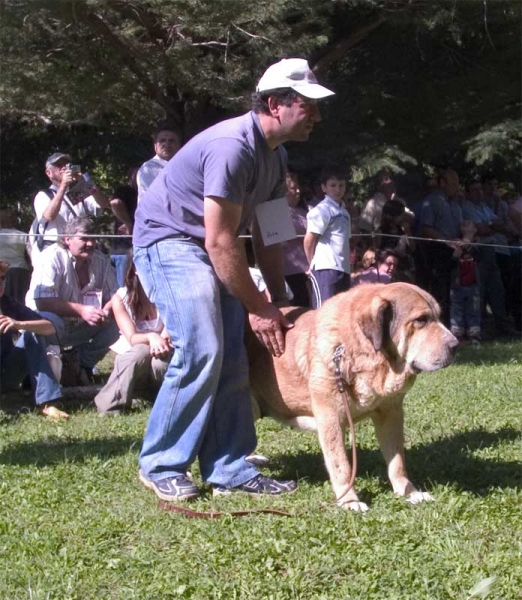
x: 327, y: 240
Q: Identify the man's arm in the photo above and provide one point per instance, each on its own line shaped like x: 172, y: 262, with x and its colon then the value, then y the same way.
x: 101, y: 199
x: 122, y: 214
x: 227, y: 255
x: 90, y: 314
x: 270, y: 262
x: 53, y: 208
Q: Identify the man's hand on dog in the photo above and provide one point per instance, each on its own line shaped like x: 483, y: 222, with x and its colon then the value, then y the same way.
x: 269, y: 325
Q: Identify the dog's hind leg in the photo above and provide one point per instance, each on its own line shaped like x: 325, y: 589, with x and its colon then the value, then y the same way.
x: 330, y: 431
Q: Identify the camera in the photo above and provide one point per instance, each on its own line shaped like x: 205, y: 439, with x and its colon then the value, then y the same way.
x: 75, y: 168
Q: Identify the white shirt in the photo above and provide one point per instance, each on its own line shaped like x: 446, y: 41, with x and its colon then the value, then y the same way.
x: 142, y: 325
x: 12, y: 248
x: 331, y: 221
x: 68, y: 211
x: 147, y: 174
x: 56, y: 277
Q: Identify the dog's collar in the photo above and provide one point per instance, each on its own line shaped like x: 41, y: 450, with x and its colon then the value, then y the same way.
x: 337, y: 357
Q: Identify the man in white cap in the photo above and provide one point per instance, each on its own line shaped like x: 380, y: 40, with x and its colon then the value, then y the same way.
x: 193, y: 267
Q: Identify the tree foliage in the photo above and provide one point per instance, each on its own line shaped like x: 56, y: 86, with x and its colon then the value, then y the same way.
x: 419, y: 82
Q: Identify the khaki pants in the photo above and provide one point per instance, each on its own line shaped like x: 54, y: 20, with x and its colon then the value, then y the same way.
x: 135, y: 372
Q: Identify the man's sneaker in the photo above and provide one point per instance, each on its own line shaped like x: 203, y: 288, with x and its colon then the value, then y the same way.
x: 171, y: 488
x: 258, y: 486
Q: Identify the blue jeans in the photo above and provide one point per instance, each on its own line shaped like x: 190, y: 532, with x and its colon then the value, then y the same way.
x: 92, y: 342
x: 203, y: 409
x: 30, y: 356
x: 120, y: 263
x: 465, y: 310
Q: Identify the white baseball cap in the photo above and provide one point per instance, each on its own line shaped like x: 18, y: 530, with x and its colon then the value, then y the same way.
x: 293, y: 73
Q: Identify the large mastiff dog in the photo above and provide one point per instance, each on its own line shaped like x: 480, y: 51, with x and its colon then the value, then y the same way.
x: 389, y: 333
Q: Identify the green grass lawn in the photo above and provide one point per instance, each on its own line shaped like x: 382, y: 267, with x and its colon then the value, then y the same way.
x: 75, y: 523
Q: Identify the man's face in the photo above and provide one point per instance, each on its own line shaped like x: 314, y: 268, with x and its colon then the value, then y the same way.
x: 167, y: 143
x: 298, y: 119
x: 387, y: 187
x: 475, y: 193
x: 55, y: 172
x: 490, y: 187
x: 450, y: 184
x: 80, y: 247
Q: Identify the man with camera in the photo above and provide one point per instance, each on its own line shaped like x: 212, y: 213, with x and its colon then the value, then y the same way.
x: 70, y: 195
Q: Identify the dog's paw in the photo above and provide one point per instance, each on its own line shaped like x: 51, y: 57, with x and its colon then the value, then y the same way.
x: 417, y: 497
x: 355, y: 505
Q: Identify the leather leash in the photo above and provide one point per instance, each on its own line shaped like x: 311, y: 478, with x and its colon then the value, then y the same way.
x: 338, y: 356
x: 196, y: 514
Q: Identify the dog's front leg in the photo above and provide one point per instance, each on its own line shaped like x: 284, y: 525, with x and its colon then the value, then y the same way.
x: 330, y: 431
x: 389, y: 429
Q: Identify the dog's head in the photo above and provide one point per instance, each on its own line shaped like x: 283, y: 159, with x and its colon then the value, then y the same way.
x: 403, y: 322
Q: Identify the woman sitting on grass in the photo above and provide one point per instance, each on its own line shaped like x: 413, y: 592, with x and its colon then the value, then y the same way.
x: 143, y: 350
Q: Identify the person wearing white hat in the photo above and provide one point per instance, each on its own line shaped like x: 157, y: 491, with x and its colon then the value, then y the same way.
x: 193, y: 267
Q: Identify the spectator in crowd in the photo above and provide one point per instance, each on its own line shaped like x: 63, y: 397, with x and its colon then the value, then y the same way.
x: 296, y: 264
x: 496, y: 199
x: 57, y: 205
x: 371, y: 215
x: 488, y: 225
x: 143, y: 351
x: 123, y: 203
x: 381, y: 271
x: 317, y: 194
x: 193, y: 267
x: 327, y: 240
x: 73, y: 287
x: 167, y: 141
x: 29, y: 355
x: 515, y: 214
x: 441, y: 219
x: 12, y: 250
x: 397, y: 228
x: 465, y: 289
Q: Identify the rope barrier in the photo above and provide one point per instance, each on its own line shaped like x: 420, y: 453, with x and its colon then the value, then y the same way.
x: 246, y: 236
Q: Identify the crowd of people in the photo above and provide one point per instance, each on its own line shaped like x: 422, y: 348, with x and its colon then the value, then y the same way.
x: 171, y: 304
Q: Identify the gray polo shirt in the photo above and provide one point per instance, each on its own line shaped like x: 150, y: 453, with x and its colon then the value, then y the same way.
x: 441, y: 214
x: 230, y: 160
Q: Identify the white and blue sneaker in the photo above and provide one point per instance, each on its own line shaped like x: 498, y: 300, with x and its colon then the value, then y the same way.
x: 258, y: 486
x: 170, y: 489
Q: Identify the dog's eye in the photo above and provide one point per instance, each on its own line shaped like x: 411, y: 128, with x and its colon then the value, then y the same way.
x: 421, y: 321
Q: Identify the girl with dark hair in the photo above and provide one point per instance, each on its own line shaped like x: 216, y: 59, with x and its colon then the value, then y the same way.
x: 143, y: 350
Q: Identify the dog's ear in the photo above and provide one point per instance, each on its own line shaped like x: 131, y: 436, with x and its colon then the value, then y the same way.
x: 375, y: 321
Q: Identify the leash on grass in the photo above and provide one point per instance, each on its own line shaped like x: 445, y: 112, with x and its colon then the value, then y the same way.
x: 337, y: 357
x: 196, y: 514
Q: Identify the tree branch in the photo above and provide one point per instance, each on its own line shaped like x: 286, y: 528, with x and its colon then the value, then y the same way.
x: 332, y: 53
x: 130, y: 57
